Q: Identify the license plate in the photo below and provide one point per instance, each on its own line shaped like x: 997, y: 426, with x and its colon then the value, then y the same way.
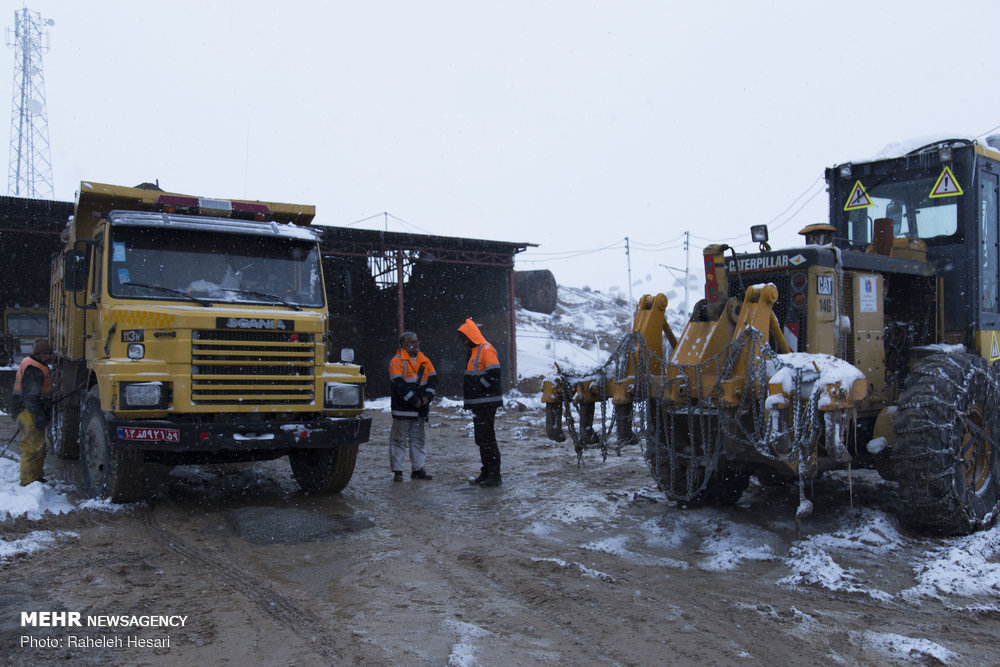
x: 149, y: 434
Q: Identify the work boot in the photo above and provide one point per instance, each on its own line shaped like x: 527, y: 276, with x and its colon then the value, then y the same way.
x: 480, y: 479
x: 420, y: 474
x: 492, y: 480
x: 397, y: 475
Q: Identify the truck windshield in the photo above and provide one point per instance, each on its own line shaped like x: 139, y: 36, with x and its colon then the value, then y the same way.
x: 906, y: 199
x: 33, y: 325
x: 149, y: 263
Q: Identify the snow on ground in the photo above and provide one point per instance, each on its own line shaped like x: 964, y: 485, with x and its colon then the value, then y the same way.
x: 32, y: 501
x: 965, y: 567
x: 900, y: 647
x: 34, y: 541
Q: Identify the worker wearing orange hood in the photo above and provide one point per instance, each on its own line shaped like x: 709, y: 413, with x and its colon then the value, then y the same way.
x: 483, y: 395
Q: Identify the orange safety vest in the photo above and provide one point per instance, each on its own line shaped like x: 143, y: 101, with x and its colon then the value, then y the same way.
x: 408, y: 369
x: 46, y: 375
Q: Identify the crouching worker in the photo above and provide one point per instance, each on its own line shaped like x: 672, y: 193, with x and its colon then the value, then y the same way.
x: 413, y: 384
x: 31, y: 404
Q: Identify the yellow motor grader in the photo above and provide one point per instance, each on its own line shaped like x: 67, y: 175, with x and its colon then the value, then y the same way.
x: 873, y: 345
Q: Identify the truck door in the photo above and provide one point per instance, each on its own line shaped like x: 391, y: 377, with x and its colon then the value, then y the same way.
x: 989, y: 299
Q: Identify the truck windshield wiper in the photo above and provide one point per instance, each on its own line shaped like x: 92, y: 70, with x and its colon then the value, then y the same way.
x: 263, y: 295
x: 171, y: 290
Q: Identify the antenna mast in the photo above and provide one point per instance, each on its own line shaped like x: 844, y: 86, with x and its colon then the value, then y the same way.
x: 30, y: 162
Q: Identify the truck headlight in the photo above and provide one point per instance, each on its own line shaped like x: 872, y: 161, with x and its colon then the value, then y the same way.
x: 136, y: 351
x: 143, y: 395
x: 341, y: 395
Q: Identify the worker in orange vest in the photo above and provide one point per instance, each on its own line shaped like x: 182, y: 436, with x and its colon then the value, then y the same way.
x: 413, y: 383
x: 483, y: 394
x: 30, y: 405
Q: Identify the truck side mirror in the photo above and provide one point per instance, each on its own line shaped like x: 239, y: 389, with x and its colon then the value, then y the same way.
x: 75, y: 270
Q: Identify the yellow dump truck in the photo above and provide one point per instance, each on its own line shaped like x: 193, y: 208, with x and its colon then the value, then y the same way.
x: 195, y: 330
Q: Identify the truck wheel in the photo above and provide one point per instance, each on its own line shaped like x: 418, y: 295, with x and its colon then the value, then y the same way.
x: 323, y: 470
x: 947, y: 456
x: 108, y: 471
x: 724, y: 487
x: 65, y: 431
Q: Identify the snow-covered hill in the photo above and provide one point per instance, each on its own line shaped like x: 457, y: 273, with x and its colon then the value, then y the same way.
x: 580, y: 335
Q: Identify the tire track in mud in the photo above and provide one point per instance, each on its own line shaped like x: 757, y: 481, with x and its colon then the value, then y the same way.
x: 282, y: 609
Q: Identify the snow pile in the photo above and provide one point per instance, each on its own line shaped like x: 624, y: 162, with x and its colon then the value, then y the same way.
x: 29, y: 544
x: 33, y: 501
x: 965, y: 567
x: 464, y: 651
x: 814, y: 372
x: 901, y: 648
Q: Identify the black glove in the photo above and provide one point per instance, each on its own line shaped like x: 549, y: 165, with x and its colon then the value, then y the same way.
x: 41, y: 422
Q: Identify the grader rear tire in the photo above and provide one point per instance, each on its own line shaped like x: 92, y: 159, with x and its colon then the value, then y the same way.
x: 947, y: 454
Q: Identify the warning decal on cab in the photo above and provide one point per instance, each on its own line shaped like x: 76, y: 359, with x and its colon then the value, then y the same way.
x: 946, y: 185
x: 994, y: 348
x: 858, y: 198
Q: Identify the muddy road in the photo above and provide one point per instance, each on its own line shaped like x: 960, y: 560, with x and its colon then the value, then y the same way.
x: 564, y: 564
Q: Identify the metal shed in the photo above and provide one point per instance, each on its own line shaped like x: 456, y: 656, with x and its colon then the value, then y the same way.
x: 29, y: 237
x: 383, y: 283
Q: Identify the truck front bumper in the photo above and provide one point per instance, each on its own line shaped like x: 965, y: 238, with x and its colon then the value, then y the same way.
x: 172, y: 436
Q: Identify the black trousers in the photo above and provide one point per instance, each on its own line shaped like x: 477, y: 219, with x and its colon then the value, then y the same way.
x: 483, y: 426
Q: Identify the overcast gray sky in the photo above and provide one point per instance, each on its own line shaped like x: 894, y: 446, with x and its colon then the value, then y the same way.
x: 568, y: 124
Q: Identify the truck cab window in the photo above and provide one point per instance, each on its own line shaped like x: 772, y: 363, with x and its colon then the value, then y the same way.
x: 151, y: 263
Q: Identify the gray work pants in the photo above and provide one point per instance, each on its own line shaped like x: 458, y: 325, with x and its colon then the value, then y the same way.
x: 407, y: 434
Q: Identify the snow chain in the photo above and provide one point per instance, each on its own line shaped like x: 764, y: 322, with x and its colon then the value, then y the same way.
x: 684, y: 446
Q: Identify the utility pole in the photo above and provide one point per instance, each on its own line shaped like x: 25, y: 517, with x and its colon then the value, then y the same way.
x: 687, y: 269
x: 628, y: 259
x: 30, y: 163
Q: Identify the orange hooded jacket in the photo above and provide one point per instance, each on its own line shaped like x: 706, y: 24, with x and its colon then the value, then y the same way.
x: 481, y: 385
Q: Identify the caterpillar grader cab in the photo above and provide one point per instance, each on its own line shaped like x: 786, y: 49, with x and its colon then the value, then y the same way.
x: 872, y: 345
x: 195, y: 330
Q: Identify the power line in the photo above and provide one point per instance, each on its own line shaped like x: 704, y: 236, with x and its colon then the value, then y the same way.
x: 358, y: 222
x: 568, y: 254
x: 992, y: 129
x: 787, y: 209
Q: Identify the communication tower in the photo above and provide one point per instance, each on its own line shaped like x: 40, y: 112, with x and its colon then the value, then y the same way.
x: 30, y: 163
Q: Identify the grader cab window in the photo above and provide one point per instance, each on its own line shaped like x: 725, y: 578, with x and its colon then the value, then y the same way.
x: 906, y: 201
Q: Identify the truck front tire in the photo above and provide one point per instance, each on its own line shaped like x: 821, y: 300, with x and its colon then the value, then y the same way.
x: 108, y: 471
x: 323, y: 470
x: 65, y: 432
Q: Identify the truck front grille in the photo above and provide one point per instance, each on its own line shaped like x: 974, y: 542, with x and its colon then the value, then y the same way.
x: 239, y: 368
